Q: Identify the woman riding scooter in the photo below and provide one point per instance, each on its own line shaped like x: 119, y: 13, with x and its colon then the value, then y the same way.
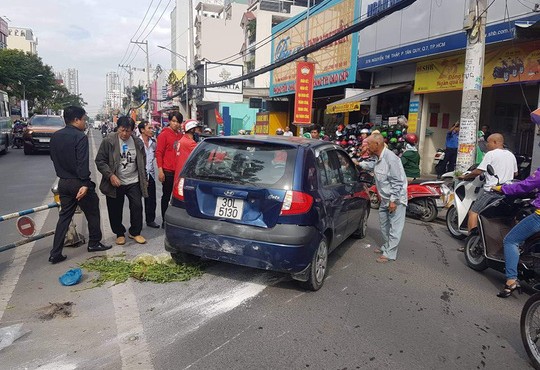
x: 519, y: 233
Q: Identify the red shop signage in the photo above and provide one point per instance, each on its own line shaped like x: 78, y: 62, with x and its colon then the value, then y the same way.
x: 303, y: 100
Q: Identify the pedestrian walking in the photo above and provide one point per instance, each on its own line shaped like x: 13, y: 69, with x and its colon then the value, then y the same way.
x: 147, y: 136
x: 167, y: 142
x: 121, y: 159
x: 450, y: 154
x: 69, y: 153
x: 391, y: 184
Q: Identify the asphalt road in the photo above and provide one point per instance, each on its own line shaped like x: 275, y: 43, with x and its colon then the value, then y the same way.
x: 427, y: 310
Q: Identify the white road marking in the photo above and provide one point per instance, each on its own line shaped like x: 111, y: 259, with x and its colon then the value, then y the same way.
x: 132, y: 341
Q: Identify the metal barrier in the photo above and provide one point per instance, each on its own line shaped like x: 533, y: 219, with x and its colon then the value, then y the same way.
x: 73, y: 238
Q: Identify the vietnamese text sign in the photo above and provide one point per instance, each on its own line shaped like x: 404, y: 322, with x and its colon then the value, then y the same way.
x: 343, y: 107
x: 303, y: 98
x: 336, y: 63
x: 506, y: 65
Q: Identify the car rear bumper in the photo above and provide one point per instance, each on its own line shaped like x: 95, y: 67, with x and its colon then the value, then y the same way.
x: 285, y: 248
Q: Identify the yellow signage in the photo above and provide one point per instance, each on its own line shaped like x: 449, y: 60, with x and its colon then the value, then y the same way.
x: 503, y: 66
x: 343, y: 107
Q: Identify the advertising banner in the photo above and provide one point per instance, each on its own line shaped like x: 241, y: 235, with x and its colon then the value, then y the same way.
x: 336, y: 63
x: 219, y: 72
x: 303, y: 99
x: 510, y: 64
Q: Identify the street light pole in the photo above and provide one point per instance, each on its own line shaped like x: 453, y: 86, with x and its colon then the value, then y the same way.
x: 188, y: 110
x: 148, y: 111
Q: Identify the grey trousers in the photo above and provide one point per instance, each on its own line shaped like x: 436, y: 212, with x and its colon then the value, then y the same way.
x: 391, y: 228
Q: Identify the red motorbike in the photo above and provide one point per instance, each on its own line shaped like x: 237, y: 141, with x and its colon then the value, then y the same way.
x: 424, y: 198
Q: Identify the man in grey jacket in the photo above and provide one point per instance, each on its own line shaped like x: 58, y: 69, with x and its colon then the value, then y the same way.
x: 121, y: 159
x: 392, y: 187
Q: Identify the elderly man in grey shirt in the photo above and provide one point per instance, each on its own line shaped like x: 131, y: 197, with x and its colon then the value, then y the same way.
x: 391, y: 184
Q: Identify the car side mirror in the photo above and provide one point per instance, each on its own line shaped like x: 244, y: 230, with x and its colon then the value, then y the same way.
x: 366, y: 178
x: 490, y: 170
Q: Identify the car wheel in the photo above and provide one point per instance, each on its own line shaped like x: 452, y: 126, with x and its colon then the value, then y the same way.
x: 6, y: 147
x: 360, y: 233
x: 182, y: 258
x: 319, y: 265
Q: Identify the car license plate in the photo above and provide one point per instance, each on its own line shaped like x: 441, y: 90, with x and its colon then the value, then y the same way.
x: 229, y: 208
x: 44, y: 139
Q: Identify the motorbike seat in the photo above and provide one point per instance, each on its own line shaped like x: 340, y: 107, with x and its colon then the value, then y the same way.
x: 421, y: 181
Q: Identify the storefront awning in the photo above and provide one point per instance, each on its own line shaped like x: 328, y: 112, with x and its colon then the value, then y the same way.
x: 353, y: 103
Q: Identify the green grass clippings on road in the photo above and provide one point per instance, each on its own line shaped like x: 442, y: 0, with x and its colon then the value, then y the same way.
x: 117, y: 269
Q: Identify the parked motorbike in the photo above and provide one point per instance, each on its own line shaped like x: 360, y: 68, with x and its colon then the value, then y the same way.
x: 530, y: 329
x: 439, y: 156
x: 424, y: 199
x: 524, y: 166
x: 485, y: 249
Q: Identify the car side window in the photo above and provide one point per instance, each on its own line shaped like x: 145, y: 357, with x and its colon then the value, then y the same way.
x: 321, y: 168
x: 331, y: 168
x: 349, y: 173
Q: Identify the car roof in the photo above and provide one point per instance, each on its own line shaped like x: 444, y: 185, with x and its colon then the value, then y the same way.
x: 295, y: 141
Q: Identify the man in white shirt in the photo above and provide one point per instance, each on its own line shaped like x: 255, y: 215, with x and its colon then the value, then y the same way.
x: 288, y: 132
x: 505, y: 166
x: 147, y: 136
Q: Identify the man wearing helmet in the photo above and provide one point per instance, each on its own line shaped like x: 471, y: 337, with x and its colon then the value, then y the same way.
x: 279, y: 131
x: 186, y: 144
x: 410, y: 157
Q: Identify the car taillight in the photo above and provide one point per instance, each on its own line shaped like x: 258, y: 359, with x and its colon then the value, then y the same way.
x: 296, y: 203
x: 178, y: 189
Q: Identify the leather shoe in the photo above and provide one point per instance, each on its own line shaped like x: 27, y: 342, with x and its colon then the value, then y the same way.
x: 138, y: 238
x: 99, y: 248
x: 121, y: 240
x: 57, y: 259
x: 152, y: 224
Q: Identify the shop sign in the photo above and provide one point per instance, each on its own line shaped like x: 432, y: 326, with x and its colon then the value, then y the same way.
x: 336, y: 63
x: 344, y: 107
x: 303, y: 99
x: 377, y: 7
x: 262, y: 124
x: 218, y: 73
x: 412, y: 120
x: 511, y: 64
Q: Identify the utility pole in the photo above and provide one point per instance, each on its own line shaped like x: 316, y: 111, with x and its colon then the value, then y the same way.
x: 191, y: 55
x: 475, y: 24
x: 148, y: 111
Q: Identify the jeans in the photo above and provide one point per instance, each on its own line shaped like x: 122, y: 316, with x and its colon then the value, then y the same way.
x: 167, y: 191
x: 529, y: 226
x: 150, y: 202
x: 391, y: 228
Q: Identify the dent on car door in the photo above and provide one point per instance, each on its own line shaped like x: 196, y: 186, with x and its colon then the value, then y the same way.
x: 353, y: 202
x: 334, y: 193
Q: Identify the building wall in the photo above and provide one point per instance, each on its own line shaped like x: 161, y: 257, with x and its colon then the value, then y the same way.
x: 4, y: 32
x: 70, y: 78
x: 22, y: 39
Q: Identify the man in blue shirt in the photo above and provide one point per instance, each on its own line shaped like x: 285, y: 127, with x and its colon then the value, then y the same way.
x: 450, y: 154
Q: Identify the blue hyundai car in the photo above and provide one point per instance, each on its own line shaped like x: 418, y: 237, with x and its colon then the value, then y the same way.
x: 269, y: 202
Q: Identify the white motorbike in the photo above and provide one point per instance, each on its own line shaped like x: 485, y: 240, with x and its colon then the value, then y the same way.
x: 464, y: 195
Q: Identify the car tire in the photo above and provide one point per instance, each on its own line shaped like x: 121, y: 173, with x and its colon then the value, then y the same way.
x: 360, y: 233
x: 6, y: 147
x: 318, y: 267
x: 183, y: 258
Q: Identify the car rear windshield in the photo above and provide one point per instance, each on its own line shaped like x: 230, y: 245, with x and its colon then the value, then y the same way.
x: 48, y: 121
x: 233, y: 162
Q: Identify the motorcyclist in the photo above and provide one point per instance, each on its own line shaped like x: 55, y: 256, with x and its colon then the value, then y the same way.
x: 104, y: 129
x: 410, y: 157
x: 529, y: 226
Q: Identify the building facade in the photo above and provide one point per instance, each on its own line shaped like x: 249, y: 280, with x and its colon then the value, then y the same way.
x: 4, y: 33
x: 423, y: 69
x: 22, y: 39
x: 113, y: 93
x: 70, y: 78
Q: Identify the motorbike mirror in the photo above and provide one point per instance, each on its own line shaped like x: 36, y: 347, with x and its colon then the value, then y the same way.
x: 490, y: 170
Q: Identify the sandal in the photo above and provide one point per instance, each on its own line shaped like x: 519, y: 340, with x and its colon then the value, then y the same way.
x: 377, y: 250
x: 509, y: 289
x: 382, y: 259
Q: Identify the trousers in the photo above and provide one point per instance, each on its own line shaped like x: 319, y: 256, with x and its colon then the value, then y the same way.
x: 68, y: 189
x: 529, y: 226
x: 391, y: 228
x: 150, y: 202
x: 167, y: 191
x: 115, y: 208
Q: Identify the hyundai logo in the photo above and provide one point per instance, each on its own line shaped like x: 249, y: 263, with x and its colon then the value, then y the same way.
x: 229, y: 193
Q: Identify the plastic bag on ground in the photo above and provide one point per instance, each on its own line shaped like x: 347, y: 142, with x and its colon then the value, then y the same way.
x: 10, y: 334
x: 164, y: 259
x: 144, y: 258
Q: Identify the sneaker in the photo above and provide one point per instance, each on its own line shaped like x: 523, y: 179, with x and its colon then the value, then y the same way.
x: 138, y: 238
x: 121, y: 240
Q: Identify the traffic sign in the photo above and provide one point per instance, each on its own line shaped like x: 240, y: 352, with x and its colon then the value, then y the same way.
x: 26, y: 226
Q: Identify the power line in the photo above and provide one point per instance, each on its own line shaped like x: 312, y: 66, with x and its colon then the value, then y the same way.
x: 138, y: 28
x: 150, y: 20
x: 161, y: 16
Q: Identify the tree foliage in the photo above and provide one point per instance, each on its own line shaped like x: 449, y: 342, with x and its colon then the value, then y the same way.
x: 24, y: 75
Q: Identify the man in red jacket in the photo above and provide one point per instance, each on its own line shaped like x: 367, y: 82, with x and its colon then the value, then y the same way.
x: 167, y: 143
x: 186, y: 144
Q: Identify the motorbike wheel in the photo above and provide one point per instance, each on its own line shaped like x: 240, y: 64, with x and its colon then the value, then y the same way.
x: 430, y: 211
x: 452, y: 223
x: 374, y: 201
x: 514, y: 72
x: 474, y: 253
x: 530, y: 329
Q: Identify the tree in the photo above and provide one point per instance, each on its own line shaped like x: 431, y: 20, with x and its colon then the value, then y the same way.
x: 138, y: 93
